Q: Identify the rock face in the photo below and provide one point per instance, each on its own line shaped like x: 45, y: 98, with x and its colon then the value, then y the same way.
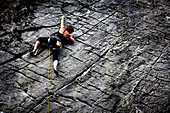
x: 119, y: 63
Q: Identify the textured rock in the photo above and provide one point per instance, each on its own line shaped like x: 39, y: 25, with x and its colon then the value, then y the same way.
x: 119, y: 63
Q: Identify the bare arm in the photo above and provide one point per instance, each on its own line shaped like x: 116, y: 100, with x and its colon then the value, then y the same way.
x: 72, y: 39
x: 62, y: 24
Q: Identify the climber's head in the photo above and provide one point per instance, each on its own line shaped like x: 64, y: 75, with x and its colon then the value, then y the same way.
x: 69, y: 29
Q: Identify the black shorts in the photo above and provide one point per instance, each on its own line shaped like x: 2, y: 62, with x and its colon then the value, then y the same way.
x: 55, y: 55
x: 45, y: 40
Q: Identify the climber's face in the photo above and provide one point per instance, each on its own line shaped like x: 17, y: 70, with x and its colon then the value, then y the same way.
x: 66, y: 34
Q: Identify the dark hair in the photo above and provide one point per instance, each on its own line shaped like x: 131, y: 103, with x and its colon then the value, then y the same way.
x: 70, y: 29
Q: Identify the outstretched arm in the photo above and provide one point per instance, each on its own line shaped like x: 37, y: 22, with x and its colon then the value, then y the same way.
x: 72, y: 39
x: 62, y: 21
x: 62, y: 24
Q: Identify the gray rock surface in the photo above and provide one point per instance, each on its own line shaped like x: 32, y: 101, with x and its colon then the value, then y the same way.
x: 119, y: 63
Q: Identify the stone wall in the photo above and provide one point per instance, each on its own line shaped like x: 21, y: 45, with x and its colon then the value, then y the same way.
x: 119, y: 63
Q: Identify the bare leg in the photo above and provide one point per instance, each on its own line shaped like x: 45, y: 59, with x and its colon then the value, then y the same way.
x: 36, y: 45
x: 55, y: 63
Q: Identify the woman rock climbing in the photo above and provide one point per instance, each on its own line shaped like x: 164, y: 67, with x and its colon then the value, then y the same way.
x: 64, y: 36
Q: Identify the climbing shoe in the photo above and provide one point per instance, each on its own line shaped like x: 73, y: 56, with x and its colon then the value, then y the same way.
x: 56, y: 72
x: 33, y: 53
